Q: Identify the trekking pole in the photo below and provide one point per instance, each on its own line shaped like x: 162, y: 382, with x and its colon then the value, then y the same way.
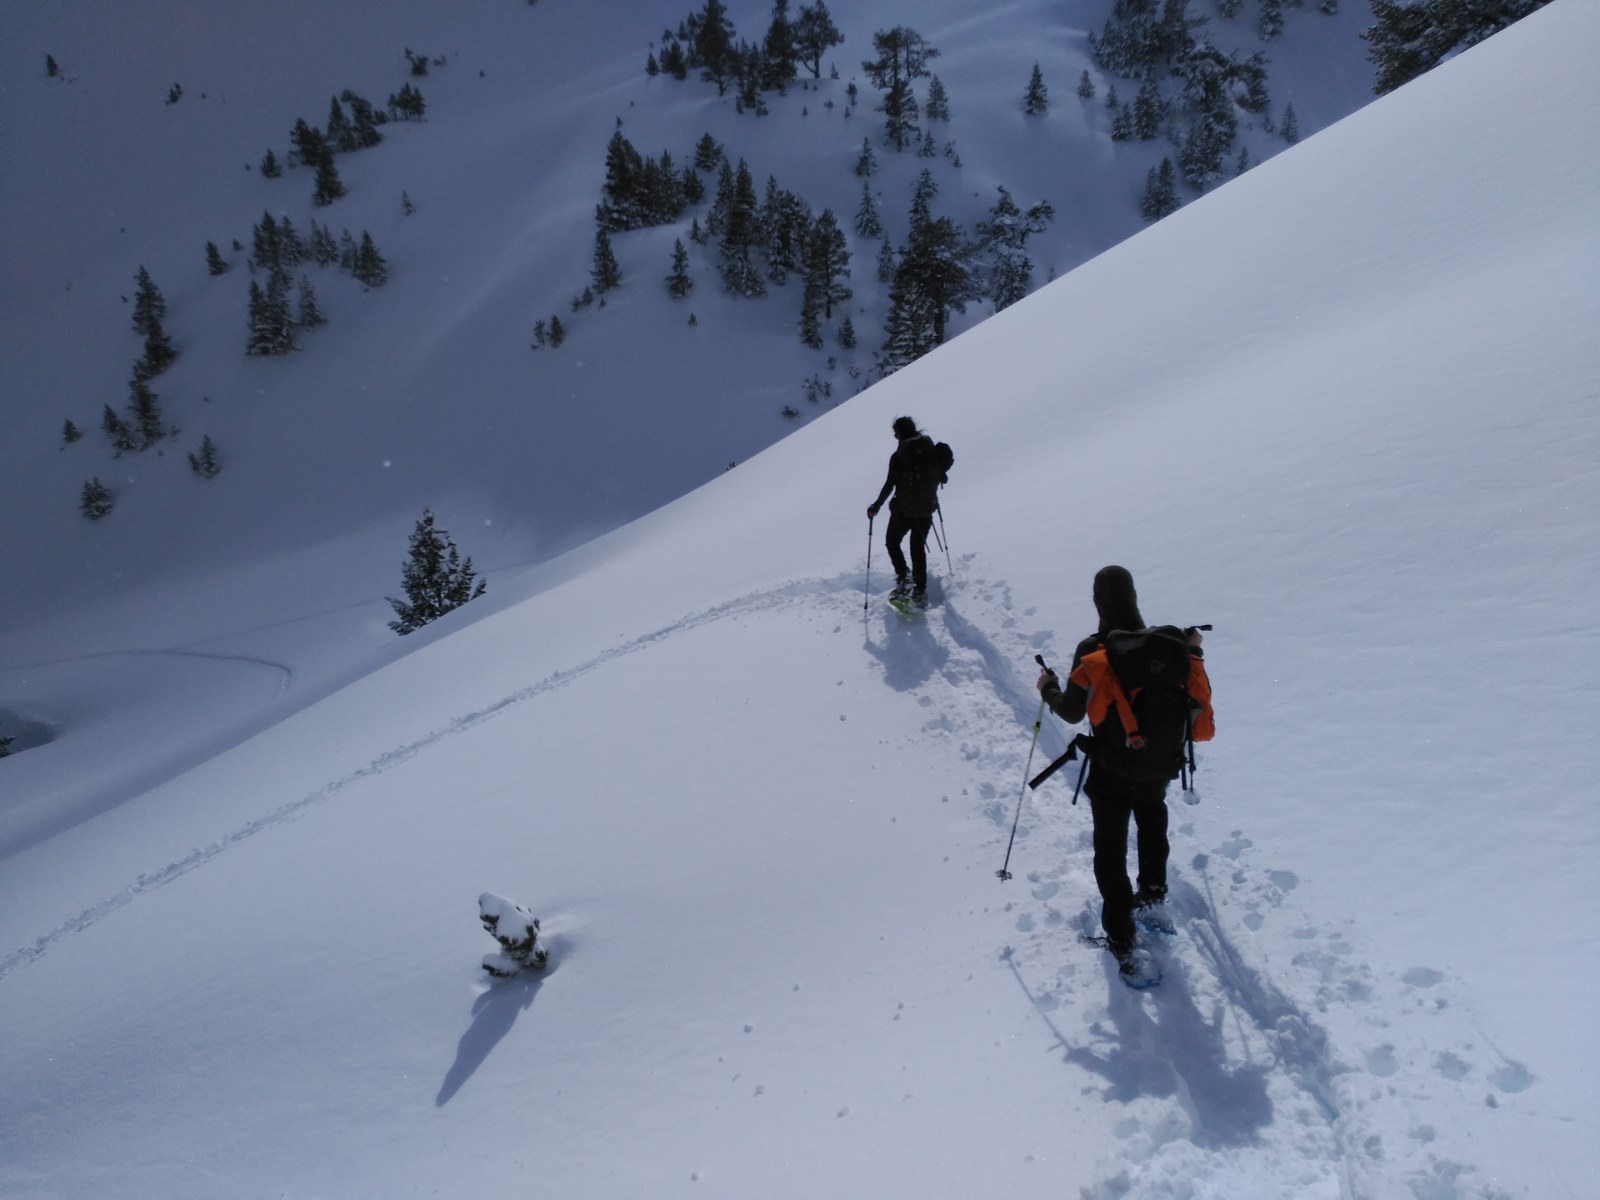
x: 866, y: 582
x: 1038, y: 720
x: 944, y: 542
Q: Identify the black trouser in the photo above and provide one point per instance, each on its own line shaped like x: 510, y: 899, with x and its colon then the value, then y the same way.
x: 918, y: 528
x: 1112, y: 800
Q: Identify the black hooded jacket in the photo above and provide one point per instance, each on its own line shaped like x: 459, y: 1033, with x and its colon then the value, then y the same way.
x: 916, y: 491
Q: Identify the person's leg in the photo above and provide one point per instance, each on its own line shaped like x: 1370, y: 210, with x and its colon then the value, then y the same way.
x: 1110, y: 808
x: 919, y: 555
x: 893, y: 535
x: 1150, y: 815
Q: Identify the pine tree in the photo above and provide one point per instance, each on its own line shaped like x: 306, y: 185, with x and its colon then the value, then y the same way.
x: 1160, y: 192
x: 651, y: 67
x: 70, y: 432
x: 936, y: 273
x: 292, y: 249
x: 340, y: 133
x: 310, y: 316
x: 158, y: 353
x: 869, y: 224
x: 1036, y: 101
x: 1085, y: 87
x: 810, y: 317
x: 50, y: 67
x: 407, y: 104
x: 680, y: 283
x: 370, y: 267
x: 814, y: 35
x: 827, y: 262
x: 713, y: 49
x: 329, y: 187
x: 324, y: 249
x: 867, y: 160
x: 938, y: 105
x: 266, y: 243
x: 1011, y: 278
x: 903, y: 55
x: 847, y: 335
x: 708, y: 153
x: 779, y: 55
x: 205, y: 463
x: 1271, y: 24
x: 1148, y: 109
x: 364, y: 120
x: 886, y: 262
x: 435, y: 578
x: 558, y: 332
x: 149, y: 305
x: 214, y: 260
x: 740, y: 233
x: 406, y: 207
x: 347, y: 251
x: 271, y: 324
x: 270, y: 169
x: 96, y: 500
x: 603, y: 267
x: 1290, y: 128
x: 310, y: 146
x: 117, y: 430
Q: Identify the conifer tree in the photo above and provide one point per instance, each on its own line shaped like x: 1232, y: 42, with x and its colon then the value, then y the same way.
x: 310, y: 315
x: 604, y: 269
x: 50, y: 66
x: 847, y: 335
x: 1036, y: 100
x: 679, y: 283
x: 324, y: 249
x: 370, y: 267
x: 407, y: 104
x: 116, y: 429
x: 827, y: 263
x: 938, y: 105
x: 205, y: 464
x: 149, y: 305
x: 902, y: 58
x: 340, y: 133
x: 814, y: 35
x: 364, y: 120
x: 1160, y: 192
x: 779, y: 54
x: 1290, y: 128
x: 558, y: 331
x: 1271, y: 24
x: 70, y: 432
x: 869, y: 224
x: 270, y: 169
x: 1085, y: 86
x: 96, y: 500
x: 708, y: 153
x: 886, y: 262
x: 271, y: 323
x: 329, y: 187
x: 291, y: 249
x: 713, y: 49
x: 435, y: 578
x: 1148, y: 110
x: 740, y: 233
x: 310, y: 146
x: 158, y: 353
x: 214, y: 260
x: 867, y: 160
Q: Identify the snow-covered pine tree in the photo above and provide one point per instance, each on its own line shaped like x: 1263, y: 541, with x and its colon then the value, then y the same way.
x: 145, y: 409
x: 740, y: 234
x: 435, y: 578
x: 159, y: 353
x: 903, y: 55
x: 827, y: 262
x: 1036, y: 99
x: 938, y: 106
x: 558, y: 332
x: 215, y: 263
x: 1085, y: 86
x: 205, y: 463
x: 270, y: 169
x: 779, y: 55
x: 70, y: 432
x: 339, y: 132
x: 310, y: 147
x: 867, y: 160
x: 1148, y: 110
x: 869, y: 224
x: 364, y: 120
x: 96, y: 500
x: 847, y: 334
x: 271, y: 323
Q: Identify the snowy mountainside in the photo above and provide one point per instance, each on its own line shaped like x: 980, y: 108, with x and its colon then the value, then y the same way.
x: 760, y: 821
x: 267, y: 583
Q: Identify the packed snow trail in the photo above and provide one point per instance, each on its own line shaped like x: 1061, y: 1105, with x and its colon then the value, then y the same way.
x: 1231, y: 1068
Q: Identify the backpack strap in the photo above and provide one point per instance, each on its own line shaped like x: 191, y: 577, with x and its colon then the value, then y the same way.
x: 1094, y: 674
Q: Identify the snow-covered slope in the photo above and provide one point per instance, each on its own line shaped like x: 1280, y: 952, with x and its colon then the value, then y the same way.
x: 264, y: 588
x: 761, y: 823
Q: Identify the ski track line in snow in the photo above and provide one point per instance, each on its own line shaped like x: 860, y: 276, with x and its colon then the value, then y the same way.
x: 285, y: 672
x: 1221, y: 1050
x: 149, y: 881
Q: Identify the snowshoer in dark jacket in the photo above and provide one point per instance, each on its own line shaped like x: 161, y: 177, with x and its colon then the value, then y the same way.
x: 914, y: 479
x: 1112, y: 797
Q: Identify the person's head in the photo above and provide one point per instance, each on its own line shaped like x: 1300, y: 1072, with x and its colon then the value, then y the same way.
x: 1116, y: 600
x: 904, y: 427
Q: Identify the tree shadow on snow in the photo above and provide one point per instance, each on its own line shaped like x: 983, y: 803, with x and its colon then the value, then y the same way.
x: 493, y: 1015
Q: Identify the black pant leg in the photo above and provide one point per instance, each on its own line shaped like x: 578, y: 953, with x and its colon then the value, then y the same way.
x: 919, y: 553
x: 1150, y: 815
x: 1111, y: 806
x: 895, y: 533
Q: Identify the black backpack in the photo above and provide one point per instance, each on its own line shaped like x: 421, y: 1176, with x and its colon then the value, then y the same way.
x: 1152, y: 668
x: 928, y: 468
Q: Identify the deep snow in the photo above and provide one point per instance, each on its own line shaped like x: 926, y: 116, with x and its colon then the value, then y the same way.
x: 760, y: 823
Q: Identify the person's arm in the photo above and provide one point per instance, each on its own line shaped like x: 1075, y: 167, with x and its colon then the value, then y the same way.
x: 1069, y: 704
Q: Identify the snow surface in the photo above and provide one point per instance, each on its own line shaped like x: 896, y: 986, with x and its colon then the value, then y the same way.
x: 1343, y: 408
